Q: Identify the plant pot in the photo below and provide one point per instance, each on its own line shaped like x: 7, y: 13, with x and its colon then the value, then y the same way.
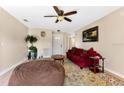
x: 32, y: 53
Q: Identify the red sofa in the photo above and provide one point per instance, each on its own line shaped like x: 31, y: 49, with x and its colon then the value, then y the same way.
x: 82, y: 57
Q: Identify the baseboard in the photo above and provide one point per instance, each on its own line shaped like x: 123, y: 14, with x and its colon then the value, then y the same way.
x: 115, y: 74
x: 13, y: 66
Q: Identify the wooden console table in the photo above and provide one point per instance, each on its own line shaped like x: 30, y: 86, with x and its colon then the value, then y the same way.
x: 96, y: 67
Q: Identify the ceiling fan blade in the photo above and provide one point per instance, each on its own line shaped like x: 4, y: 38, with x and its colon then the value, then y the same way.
x: 70, y: 13
x: 51, y: 16
x: 56, y: 21
x: 61, y: 13
x: 67, y: 19
x: 56, y: 9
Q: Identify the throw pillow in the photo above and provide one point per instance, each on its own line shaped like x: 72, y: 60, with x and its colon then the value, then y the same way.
x: 90, y: 52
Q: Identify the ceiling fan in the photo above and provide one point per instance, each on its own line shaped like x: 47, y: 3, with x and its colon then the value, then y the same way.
x: 61, y: 15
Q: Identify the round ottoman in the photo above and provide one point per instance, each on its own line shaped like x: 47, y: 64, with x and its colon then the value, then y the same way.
x: 38, y: 73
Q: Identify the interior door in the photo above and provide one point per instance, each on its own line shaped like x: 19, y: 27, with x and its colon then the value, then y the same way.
x: 57, y: 43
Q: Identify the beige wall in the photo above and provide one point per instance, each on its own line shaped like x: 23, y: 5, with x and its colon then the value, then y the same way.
x: 43, y: 43
x: 71, y: 41
x: 111, y: 41
x: 0, y: 52
x: 13, y: 47
x: 66, y: 42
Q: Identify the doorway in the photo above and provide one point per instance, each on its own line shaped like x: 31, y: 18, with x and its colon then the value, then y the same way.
x: 58, y: 43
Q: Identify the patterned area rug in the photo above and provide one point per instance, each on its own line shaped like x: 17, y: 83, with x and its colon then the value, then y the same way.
x: 84, y: 77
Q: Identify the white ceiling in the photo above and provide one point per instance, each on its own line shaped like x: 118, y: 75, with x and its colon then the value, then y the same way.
x: 85, y: 16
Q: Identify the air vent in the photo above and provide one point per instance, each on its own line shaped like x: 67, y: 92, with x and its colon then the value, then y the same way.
x: 25, y: 20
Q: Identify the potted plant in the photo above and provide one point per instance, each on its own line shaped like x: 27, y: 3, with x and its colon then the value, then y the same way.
x: 32, y: 49
x: 30, y: 38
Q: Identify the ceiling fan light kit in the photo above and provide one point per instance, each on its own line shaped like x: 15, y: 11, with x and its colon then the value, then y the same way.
x: 61, y: 15
x: 60, y: 18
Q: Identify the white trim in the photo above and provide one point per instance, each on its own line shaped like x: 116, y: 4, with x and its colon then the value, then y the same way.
x: 13, y: 66
x: 115, y: 73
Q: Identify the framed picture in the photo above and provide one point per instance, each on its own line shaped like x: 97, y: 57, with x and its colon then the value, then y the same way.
x: 90, y: 35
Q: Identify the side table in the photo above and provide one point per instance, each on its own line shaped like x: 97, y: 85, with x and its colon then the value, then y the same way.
x: 97, y: 67
x: 59, y: 58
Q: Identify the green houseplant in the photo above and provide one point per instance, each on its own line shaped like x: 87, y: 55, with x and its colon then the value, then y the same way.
x: 33, y: 49
x: 31, y: 39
